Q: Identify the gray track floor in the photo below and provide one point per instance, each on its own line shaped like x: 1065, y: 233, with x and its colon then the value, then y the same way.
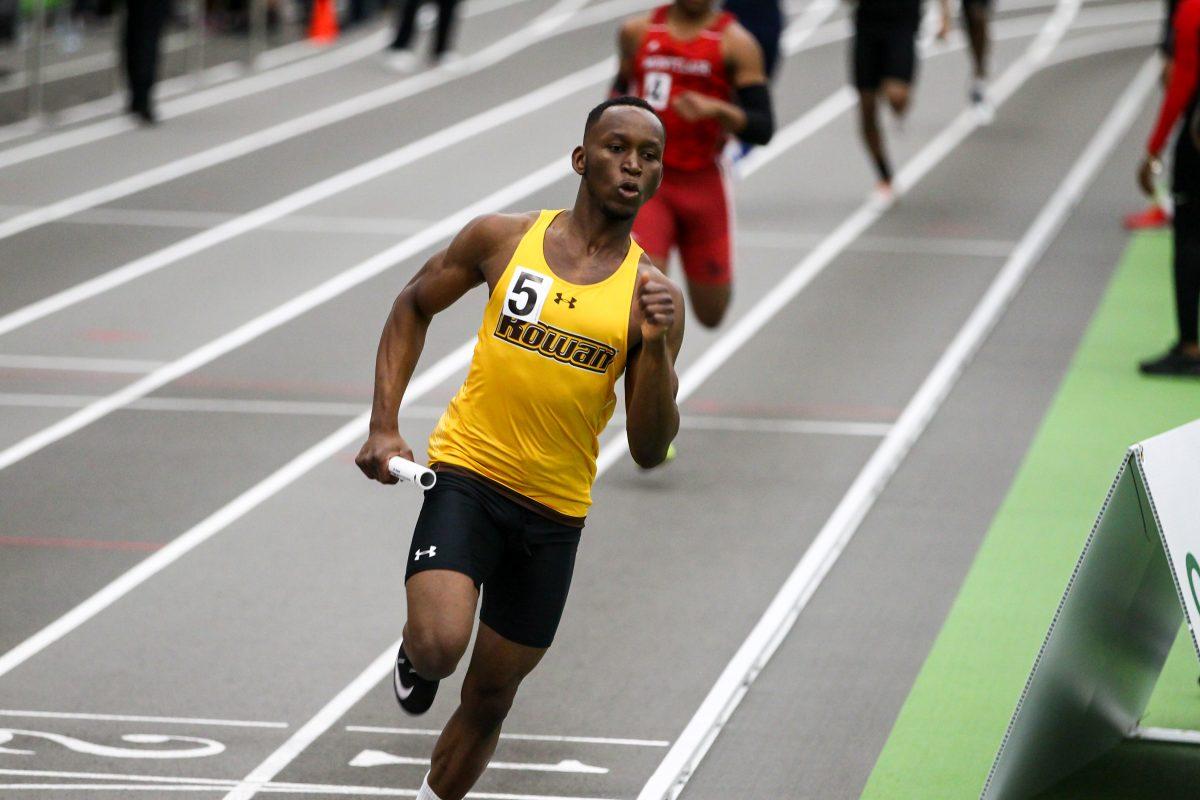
x: 265, y: 601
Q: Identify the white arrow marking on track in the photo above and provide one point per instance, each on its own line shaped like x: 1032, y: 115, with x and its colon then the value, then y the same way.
x: 378, y: 758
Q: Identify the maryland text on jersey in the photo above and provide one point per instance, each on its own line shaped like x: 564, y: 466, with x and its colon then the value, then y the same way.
x: 562, y: 346
x: 677, y: 64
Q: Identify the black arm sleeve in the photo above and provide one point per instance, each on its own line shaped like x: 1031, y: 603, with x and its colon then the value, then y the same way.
x: 1167, y: 45
x: 760, y: 118
x: 619, y: 88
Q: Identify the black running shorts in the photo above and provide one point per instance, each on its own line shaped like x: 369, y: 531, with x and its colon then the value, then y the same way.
x: 522, y: 560
x: 883, y: 54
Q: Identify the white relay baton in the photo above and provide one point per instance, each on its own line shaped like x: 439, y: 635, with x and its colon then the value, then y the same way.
x: 412, y: 472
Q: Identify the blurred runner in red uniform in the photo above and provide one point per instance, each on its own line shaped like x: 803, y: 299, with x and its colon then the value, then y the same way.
x: 703, y: 73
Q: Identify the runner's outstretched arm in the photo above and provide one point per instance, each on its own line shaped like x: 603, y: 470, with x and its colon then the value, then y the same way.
x: 652, y: 415
x: 446, y: 276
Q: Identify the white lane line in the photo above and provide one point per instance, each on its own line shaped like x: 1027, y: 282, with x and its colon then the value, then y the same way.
x: 253, y: 497
x: 341, y: 182
x: 217, y: 405
x: 298, y: 223
x: 340, y: 704
x: 1085, y: 46
x: 806, y: 24
x: 378, y: 758
x: 280, y: 72
x: 743, y: 425
x: 106, y: 787
x: 983, y: 248
x: 230, y: 86
x: 435, y: 142
x: 272, y: 319
x: 337, y: 707
x: 229, y: 723
x: 78, y: 364
x: 810, y: 122
x: 214, y: 405
x: 204, y: 405
x: 520, y: 737
x: 541, y: 28
x: 171, y: 784
x: 320, y: 722
x: 108, y: 776
x: 225, y: 516
x: 837, y: 532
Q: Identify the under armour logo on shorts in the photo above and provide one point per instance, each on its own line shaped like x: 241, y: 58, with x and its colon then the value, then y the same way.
x: 431, y: 552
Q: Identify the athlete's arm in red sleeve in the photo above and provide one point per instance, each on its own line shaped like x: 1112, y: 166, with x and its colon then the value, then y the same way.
x: 744, y: 61
x: 629, y: 39
x: 1182, y: 84
x: 651, y: 413
x: 446, y: 276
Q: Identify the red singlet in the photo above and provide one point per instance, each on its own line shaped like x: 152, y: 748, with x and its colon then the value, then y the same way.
x: 664, y: 67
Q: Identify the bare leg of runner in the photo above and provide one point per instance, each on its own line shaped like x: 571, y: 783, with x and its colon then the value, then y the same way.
x: 709, y: 301
x: 868, y: 108
x: 441, y: 613
x: 977, y: 34
x: 897, y: 95
x: 467, y: 742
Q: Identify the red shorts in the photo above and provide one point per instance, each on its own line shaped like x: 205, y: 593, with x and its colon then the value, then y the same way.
x: 693, y: 213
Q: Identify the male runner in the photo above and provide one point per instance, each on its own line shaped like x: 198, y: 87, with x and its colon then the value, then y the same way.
x: 573, y: 302
x: 884, y: 61
x: 976, y: 16
x: 690, y: 61
x: 1181, y: 99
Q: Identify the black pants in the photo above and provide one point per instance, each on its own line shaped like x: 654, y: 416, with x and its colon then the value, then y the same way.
x: 407, y: 24
x: 144, y: 20
x: 1185, y: 186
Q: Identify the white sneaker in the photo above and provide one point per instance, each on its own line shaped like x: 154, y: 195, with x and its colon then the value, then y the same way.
x: 401, y: 61
x: 984, y: 112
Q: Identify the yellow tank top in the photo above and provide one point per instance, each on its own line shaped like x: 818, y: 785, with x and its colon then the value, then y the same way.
x: 540, y: 387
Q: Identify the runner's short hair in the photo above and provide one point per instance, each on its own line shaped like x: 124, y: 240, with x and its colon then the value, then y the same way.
x: 625, y: 100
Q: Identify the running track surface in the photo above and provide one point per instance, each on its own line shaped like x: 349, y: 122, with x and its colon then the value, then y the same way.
x: 192, y: 565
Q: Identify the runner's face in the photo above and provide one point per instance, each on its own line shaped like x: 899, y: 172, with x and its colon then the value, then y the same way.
x: 695, y: 8
x: 623, y: 160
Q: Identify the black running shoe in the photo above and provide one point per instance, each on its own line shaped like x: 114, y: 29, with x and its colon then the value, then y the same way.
x: 413, y: 693
x: 1173, y: 362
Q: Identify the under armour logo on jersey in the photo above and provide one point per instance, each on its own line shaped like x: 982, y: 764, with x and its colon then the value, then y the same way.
x: 431, y: 552
x: 560, y: 300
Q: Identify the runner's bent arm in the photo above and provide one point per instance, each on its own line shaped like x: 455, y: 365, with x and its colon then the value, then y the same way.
x: 446, y: 276
x: 751, y: 118
x: 651, y: 413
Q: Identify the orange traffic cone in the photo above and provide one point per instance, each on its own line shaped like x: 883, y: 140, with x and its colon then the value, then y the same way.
x: 323, y: 26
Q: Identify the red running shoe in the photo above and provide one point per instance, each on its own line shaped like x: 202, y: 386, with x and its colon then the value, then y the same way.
x: 1153, y: 217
